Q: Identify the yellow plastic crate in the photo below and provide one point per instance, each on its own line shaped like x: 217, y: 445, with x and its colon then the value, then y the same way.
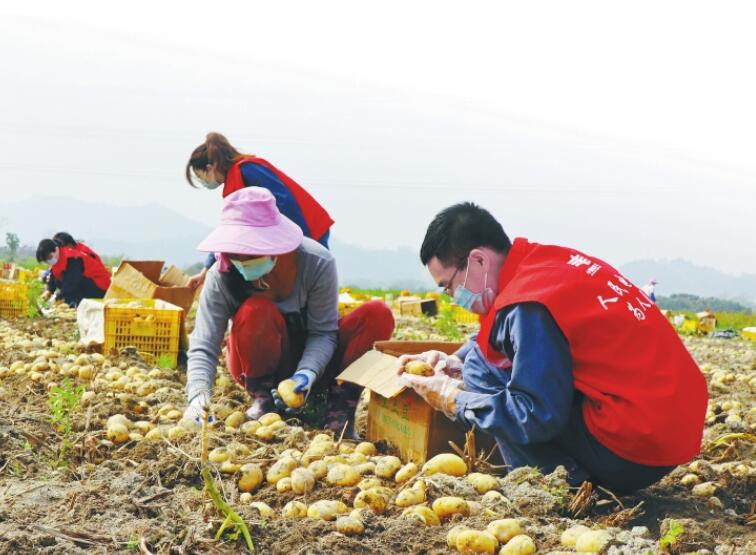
x: 14, y: 300
x: 462, y: 316
x: 152, y: 327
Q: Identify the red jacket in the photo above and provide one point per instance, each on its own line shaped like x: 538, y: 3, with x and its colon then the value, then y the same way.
x: 94, y: 269
x: 315, y: 216
x: 644, y: 396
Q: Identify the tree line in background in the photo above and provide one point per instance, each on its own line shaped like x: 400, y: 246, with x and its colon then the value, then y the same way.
x: 693, y: 303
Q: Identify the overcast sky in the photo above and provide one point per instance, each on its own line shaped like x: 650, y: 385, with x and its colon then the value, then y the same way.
x: 628, y: 132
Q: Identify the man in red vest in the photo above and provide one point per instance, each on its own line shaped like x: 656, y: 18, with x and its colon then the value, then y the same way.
x: 573, y: 364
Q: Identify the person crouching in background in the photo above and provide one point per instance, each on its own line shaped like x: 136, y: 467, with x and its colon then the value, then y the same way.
x: 74, y: 274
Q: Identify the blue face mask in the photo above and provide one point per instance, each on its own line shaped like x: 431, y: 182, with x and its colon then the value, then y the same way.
x: 209, y: 183
x: 478, y: 303
x: 52, y: 261
x: 254, y: 269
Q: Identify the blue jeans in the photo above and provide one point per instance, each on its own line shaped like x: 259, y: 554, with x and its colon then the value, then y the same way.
x: 574, y: 447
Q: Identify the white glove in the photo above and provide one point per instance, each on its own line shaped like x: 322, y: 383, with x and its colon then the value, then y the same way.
x: 194, y: 415
x: 439, y: 391
x: 451, y: 365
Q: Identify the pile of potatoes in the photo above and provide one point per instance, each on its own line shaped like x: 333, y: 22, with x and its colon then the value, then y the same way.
x: 506, y: 532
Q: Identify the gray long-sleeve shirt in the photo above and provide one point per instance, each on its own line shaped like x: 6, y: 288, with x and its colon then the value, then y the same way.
x: 315, y: 297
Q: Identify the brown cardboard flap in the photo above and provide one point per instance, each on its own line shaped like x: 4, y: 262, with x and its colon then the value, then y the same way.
x: 376, y: 369
x: 149, y: 268
x: 173, y: 277
x: 129, y: 282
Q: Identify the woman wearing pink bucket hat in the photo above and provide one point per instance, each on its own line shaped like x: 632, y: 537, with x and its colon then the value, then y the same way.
x: 280, y: 290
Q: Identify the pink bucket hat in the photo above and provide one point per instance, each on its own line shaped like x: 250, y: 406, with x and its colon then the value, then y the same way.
x: 251, y: 224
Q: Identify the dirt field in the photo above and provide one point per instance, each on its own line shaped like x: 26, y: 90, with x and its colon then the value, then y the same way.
x: 76, y: 491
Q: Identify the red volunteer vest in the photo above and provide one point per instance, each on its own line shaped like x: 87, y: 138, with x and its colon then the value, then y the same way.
x: 645, y: 397
x: 314, y: 214
x: 81, y: 247
x: 94, y: 269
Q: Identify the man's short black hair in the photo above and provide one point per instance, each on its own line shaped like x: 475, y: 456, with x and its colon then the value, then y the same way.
x: 457, y: 230
x: 64, y: 239
x: 45, y: 248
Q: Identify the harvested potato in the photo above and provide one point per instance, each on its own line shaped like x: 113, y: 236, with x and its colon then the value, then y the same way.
x: 411, y: 496
x: 283, y: 485
x: 445, y: 507
x: 319, y: 469
x: 294, y: 509
x: 302, y: 480
x: 326, y: 509
x: 570, y: 536
x: 406, y: 472
x: 118, y: 419
x: 453, y: 533
x: 388, y: 466
x: 519, y: 545
x: 118, y: 433
x: 366, y: 448
x: 593, y: 541
x: 282, y: 468
x: 229, y: 467
x: 235, y: 419
x: 445, y: 463
x: 218, y: 455
x: 251, y: 478
x: 289, y: 396
x: 269, y: 418
x: 475, y: 541
x: 418, y: 368
x: 368, y: 483
x: 365, y: 468
x: 482, y: 482
x: 356, y: 458
x: 707, y: 489
x: 423, y: 514
x: 154, y: 435
x: 177, y: 432
x: 505, y: 529
x: 246, y: 498
x: 373, y: 499
x: 265, y: 433
x: 343, y: 475
x: 349, y: 526
x: 690, y: 480
x: 264, y: 509
x: 250, y: 427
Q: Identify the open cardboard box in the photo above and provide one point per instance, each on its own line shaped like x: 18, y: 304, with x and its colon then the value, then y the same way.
x: 142, y: 279
x: 399, y: 416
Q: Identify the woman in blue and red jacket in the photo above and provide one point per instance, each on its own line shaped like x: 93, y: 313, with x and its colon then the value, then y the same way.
x: 76, y: 275
x: 216, y: 162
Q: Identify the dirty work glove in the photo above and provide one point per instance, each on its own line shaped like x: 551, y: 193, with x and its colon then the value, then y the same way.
x: 304, y: 379
x: 194, y: 414
x: 442, y: 363
x: 439, y: 391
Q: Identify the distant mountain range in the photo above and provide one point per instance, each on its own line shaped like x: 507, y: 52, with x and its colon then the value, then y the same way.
x: 155, y: 232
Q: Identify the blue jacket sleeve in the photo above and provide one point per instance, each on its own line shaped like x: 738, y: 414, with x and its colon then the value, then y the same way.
x: 534, y: 405
x: 210, y: 260
x: 465, y: 349
x: 258, y: 176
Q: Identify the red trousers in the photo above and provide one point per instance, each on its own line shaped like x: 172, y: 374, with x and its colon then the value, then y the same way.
x: 261, y: 344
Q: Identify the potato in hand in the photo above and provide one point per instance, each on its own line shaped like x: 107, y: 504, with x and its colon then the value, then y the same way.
x: 292, y: 399
x: 418, y: 368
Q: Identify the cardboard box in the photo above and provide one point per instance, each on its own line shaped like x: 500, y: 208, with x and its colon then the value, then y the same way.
x: 142, y: 279
x: 428, y: 307
x: 399, y: 416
